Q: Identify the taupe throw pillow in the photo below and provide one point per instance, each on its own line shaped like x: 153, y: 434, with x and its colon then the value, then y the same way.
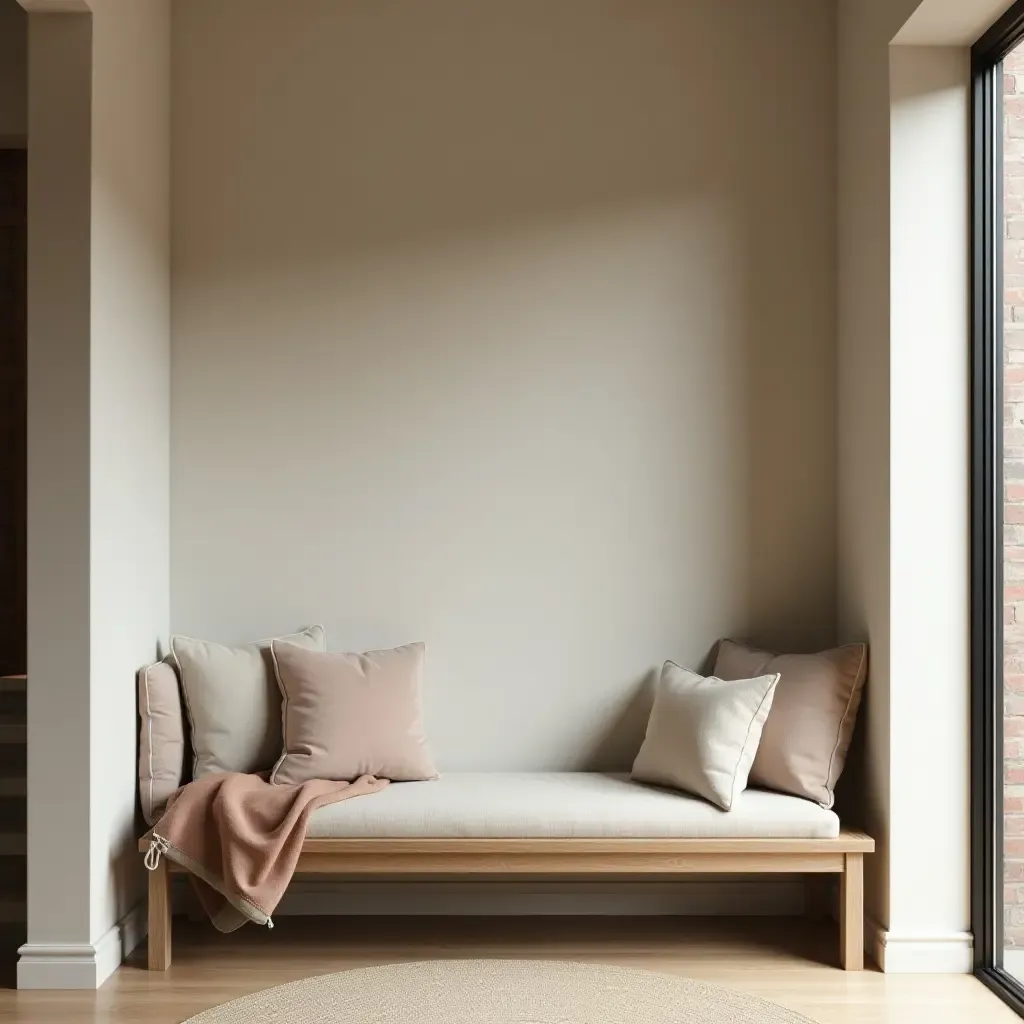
x: 703, y: 733
x: 807, y: 735
x: 232, y: 701
x: 162, y: 767
x: 347, y: 715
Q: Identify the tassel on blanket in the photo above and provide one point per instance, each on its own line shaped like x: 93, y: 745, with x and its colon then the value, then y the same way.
x: 157, y: 846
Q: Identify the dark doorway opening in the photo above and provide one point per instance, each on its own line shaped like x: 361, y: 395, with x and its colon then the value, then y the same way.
x: 13, y: 337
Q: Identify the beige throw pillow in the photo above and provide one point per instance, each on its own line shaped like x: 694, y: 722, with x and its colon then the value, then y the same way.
x: 807, y: 735
x: 232, y: 701
x: 162, y: 767
x: 347, y: 715
x: 703, y: 733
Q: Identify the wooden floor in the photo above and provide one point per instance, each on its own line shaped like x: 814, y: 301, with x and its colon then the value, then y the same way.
x: 787, y: 960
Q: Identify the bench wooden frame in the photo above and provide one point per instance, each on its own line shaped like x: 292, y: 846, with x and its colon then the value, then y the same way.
x: 417, y: 858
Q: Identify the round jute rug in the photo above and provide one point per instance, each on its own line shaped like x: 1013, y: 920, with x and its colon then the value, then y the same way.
x: 498, y: 992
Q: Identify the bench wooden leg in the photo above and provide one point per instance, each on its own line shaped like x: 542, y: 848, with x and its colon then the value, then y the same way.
x: 851, y: 913
x: 160, y: 917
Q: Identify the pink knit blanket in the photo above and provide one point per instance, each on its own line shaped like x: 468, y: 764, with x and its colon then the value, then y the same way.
x: 240, y: 838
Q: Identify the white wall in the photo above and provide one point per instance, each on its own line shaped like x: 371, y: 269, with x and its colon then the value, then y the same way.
x: 13, y: 74
x: 130, y: 396
x: 510, y: 328
x: 903, y: 486
x: 950, y: 22
x: 929, y: 496
x: 99, y: 366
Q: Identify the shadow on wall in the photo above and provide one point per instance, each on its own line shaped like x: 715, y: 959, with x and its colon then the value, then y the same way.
x: 511, y: 328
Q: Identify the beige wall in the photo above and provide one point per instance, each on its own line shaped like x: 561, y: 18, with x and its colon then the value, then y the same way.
x: 13, y: 73
x: 59, y: 275
x: 511, y: 329
x: 98, y: 550
x: 865, y: 29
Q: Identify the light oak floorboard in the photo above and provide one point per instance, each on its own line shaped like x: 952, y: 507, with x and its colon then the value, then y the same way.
x: 791, y: 961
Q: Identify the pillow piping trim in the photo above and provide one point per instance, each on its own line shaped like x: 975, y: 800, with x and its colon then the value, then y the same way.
x: 184, y: 697
x: 272, y: 778
x: 148, y: 812
x: 855, y: 690
x: 769, y: 695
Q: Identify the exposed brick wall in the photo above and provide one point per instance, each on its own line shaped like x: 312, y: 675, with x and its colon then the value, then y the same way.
x: 1013, y: 382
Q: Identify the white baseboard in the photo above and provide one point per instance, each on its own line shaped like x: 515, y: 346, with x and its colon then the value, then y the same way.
x: 714, y: 897
x: 942, y: 953
x: 46, y: 965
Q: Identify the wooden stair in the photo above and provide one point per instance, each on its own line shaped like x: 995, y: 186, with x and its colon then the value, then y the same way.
x: 13, y: 803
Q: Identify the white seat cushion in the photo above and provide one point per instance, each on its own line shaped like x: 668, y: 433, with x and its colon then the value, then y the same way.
x: 563, y: 805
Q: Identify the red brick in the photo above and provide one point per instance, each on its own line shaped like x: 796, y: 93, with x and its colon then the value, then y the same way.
x: 1013, y: 511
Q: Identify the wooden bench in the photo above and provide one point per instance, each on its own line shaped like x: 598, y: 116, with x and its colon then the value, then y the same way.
x: 430, y: 858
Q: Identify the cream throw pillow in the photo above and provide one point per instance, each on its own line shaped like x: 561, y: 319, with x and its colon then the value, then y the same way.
x: 232, y: 701
x: 703, y: 733
x: 347, y: 715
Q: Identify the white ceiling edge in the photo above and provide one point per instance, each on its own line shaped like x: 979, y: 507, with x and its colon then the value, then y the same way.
x: 55, y: 6
x: 950, y: 22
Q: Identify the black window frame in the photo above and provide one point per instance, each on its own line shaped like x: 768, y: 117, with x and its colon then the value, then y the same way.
x: 987, y: 834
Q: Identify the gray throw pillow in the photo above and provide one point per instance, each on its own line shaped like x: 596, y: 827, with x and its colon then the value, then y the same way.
x: 232, y: 701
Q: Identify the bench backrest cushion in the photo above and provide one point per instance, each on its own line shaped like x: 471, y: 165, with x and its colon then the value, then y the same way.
x: 162, y: 742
